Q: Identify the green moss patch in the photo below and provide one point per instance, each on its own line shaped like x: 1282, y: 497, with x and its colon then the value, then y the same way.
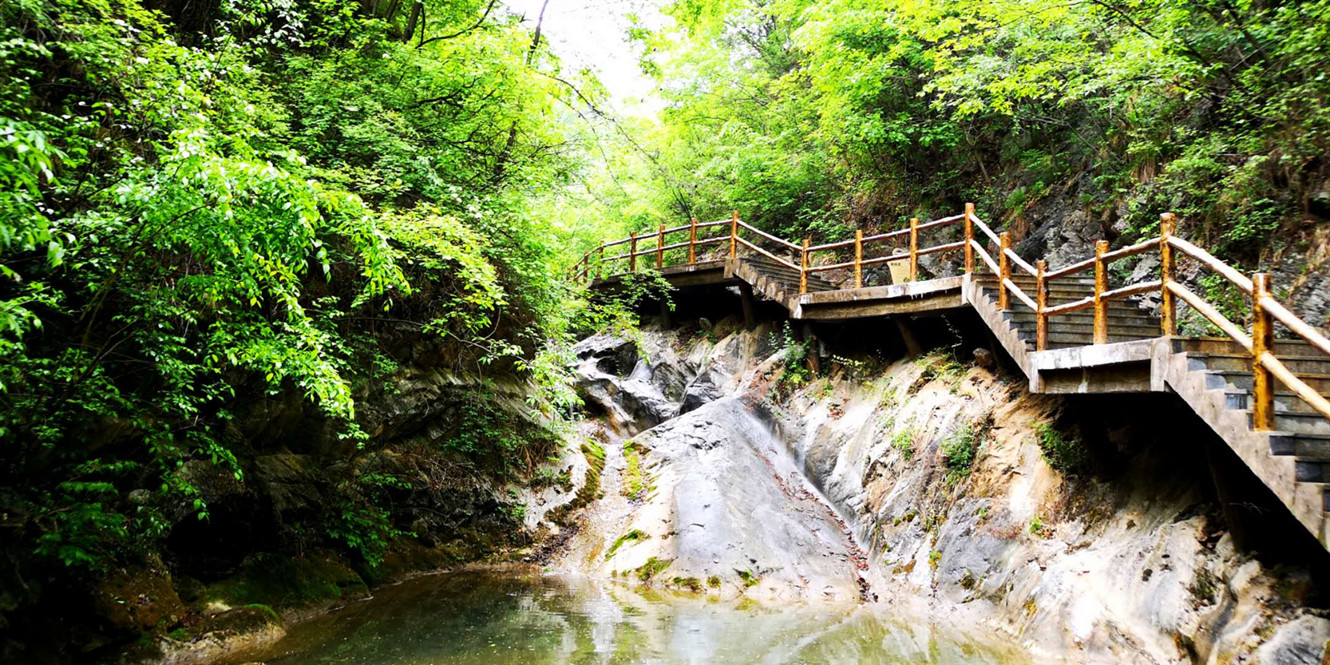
x: 284, y: 582
x: 652, y: 568
x: 630, y: 537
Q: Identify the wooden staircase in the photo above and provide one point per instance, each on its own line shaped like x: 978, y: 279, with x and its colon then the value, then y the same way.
x: 774, y: 280
x: 1127, y: 322
x: 1067, y: 329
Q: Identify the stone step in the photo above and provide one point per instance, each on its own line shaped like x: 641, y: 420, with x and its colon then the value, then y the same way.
x: 1295, y: 364
x: 1218, y: 379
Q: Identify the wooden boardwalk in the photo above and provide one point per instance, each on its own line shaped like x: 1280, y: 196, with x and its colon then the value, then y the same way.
x: 1069, y: 330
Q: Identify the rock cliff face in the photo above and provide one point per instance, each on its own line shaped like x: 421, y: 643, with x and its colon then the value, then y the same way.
x: 1083, y: 529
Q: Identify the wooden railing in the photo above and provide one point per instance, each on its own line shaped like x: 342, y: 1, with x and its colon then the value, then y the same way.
x: 978, y: 237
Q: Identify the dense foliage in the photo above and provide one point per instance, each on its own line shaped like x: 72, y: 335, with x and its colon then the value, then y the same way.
x: 204, y: 209
x: 821, y: 116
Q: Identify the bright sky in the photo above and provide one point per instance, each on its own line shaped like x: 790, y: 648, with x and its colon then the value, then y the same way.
x: 594, y: 34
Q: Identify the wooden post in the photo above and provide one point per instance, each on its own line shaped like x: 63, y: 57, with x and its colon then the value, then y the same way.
x: 600, y: 262
x: 632, y: 252
x: 1004, y: 270
x: 734, y: 234
x: 1100, y: 286
x: 969, y: 238
x: 1262, y: 342
x: 660, y: 247
x: 1168, y: 311
x: 1041, y: 299
x: 914, y: 249
x: 803, y: 267
x: 692, y: 241
x: 858, y: 258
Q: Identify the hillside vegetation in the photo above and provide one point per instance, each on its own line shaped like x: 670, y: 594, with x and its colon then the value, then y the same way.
x: 283, y: 281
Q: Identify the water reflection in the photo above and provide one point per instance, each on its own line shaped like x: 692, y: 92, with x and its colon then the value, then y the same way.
x: 506, y: 619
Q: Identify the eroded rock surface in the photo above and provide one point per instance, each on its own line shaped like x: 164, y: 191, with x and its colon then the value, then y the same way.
x: 772, y: 491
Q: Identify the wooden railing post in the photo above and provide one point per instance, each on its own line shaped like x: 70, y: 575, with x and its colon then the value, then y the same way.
x: 803, y: 267
x: 969, y: 238
x: 1168, y: 310
x: 632, y: 252
x: 660, y: 247
x: 914, y: 249
x: 1004, y: 270
x: 600, y: 262
x: 859, y: 258
x: 692, y: 241
x: 1041, y: 299
x: 1100, y: 286
x: 734, y: 234
x: 1262, y: 342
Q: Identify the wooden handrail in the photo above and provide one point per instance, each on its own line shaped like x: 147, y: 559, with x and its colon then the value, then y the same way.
x: 747, y: 243
x: 1267, y: 311
x: 978, y: 223
x: 936, y: 249
x: 1292, y: 322
x: 768, y: 236
x: 1015, y: 258
x: 1020, y: 295
x: 1079, y: 266
x: 1073, y: 306
x: 1198, y: 303
x: 1132, y: 250
x: 1209, y: 261
x: 983, y: 254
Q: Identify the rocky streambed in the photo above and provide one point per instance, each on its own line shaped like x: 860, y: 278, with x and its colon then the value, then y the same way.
x: 926, y: 486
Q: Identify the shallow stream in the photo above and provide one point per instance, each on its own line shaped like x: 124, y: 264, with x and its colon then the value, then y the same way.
x: 500, y: 618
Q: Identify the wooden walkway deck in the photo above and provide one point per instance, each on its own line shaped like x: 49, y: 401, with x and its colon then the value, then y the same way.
x: 1266, y: 398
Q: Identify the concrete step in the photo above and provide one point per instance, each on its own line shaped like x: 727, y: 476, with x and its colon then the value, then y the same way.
x: 1122, y: 325
x: 1083, y: 316
x: 1223, y: 345
x: 1306, y: 446
x: 1021, y: 279
x: 1298, y: 423
x: 1285, y: 401
x: 1218, y: 379
x: 1065, y: 340
x: 1295, y: 364
x: 786, y: 275
x: 1115, y: 307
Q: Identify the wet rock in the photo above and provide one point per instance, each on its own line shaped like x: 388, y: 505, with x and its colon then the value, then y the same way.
x: 138, y: 597
x: 983, y: 358
x: 613, y: 355
x: 289, y: 481
x: 1300, y: 642
x: 227, y: 634
x: 703, y: 390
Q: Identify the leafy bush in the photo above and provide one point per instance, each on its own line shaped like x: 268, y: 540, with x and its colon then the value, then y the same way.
x: 961, y: 448
x: 1066, y: 455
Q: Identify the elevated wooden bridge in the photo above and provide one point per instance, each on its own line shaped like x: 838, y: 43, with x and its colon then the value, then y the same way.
x: 1262, y: 388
